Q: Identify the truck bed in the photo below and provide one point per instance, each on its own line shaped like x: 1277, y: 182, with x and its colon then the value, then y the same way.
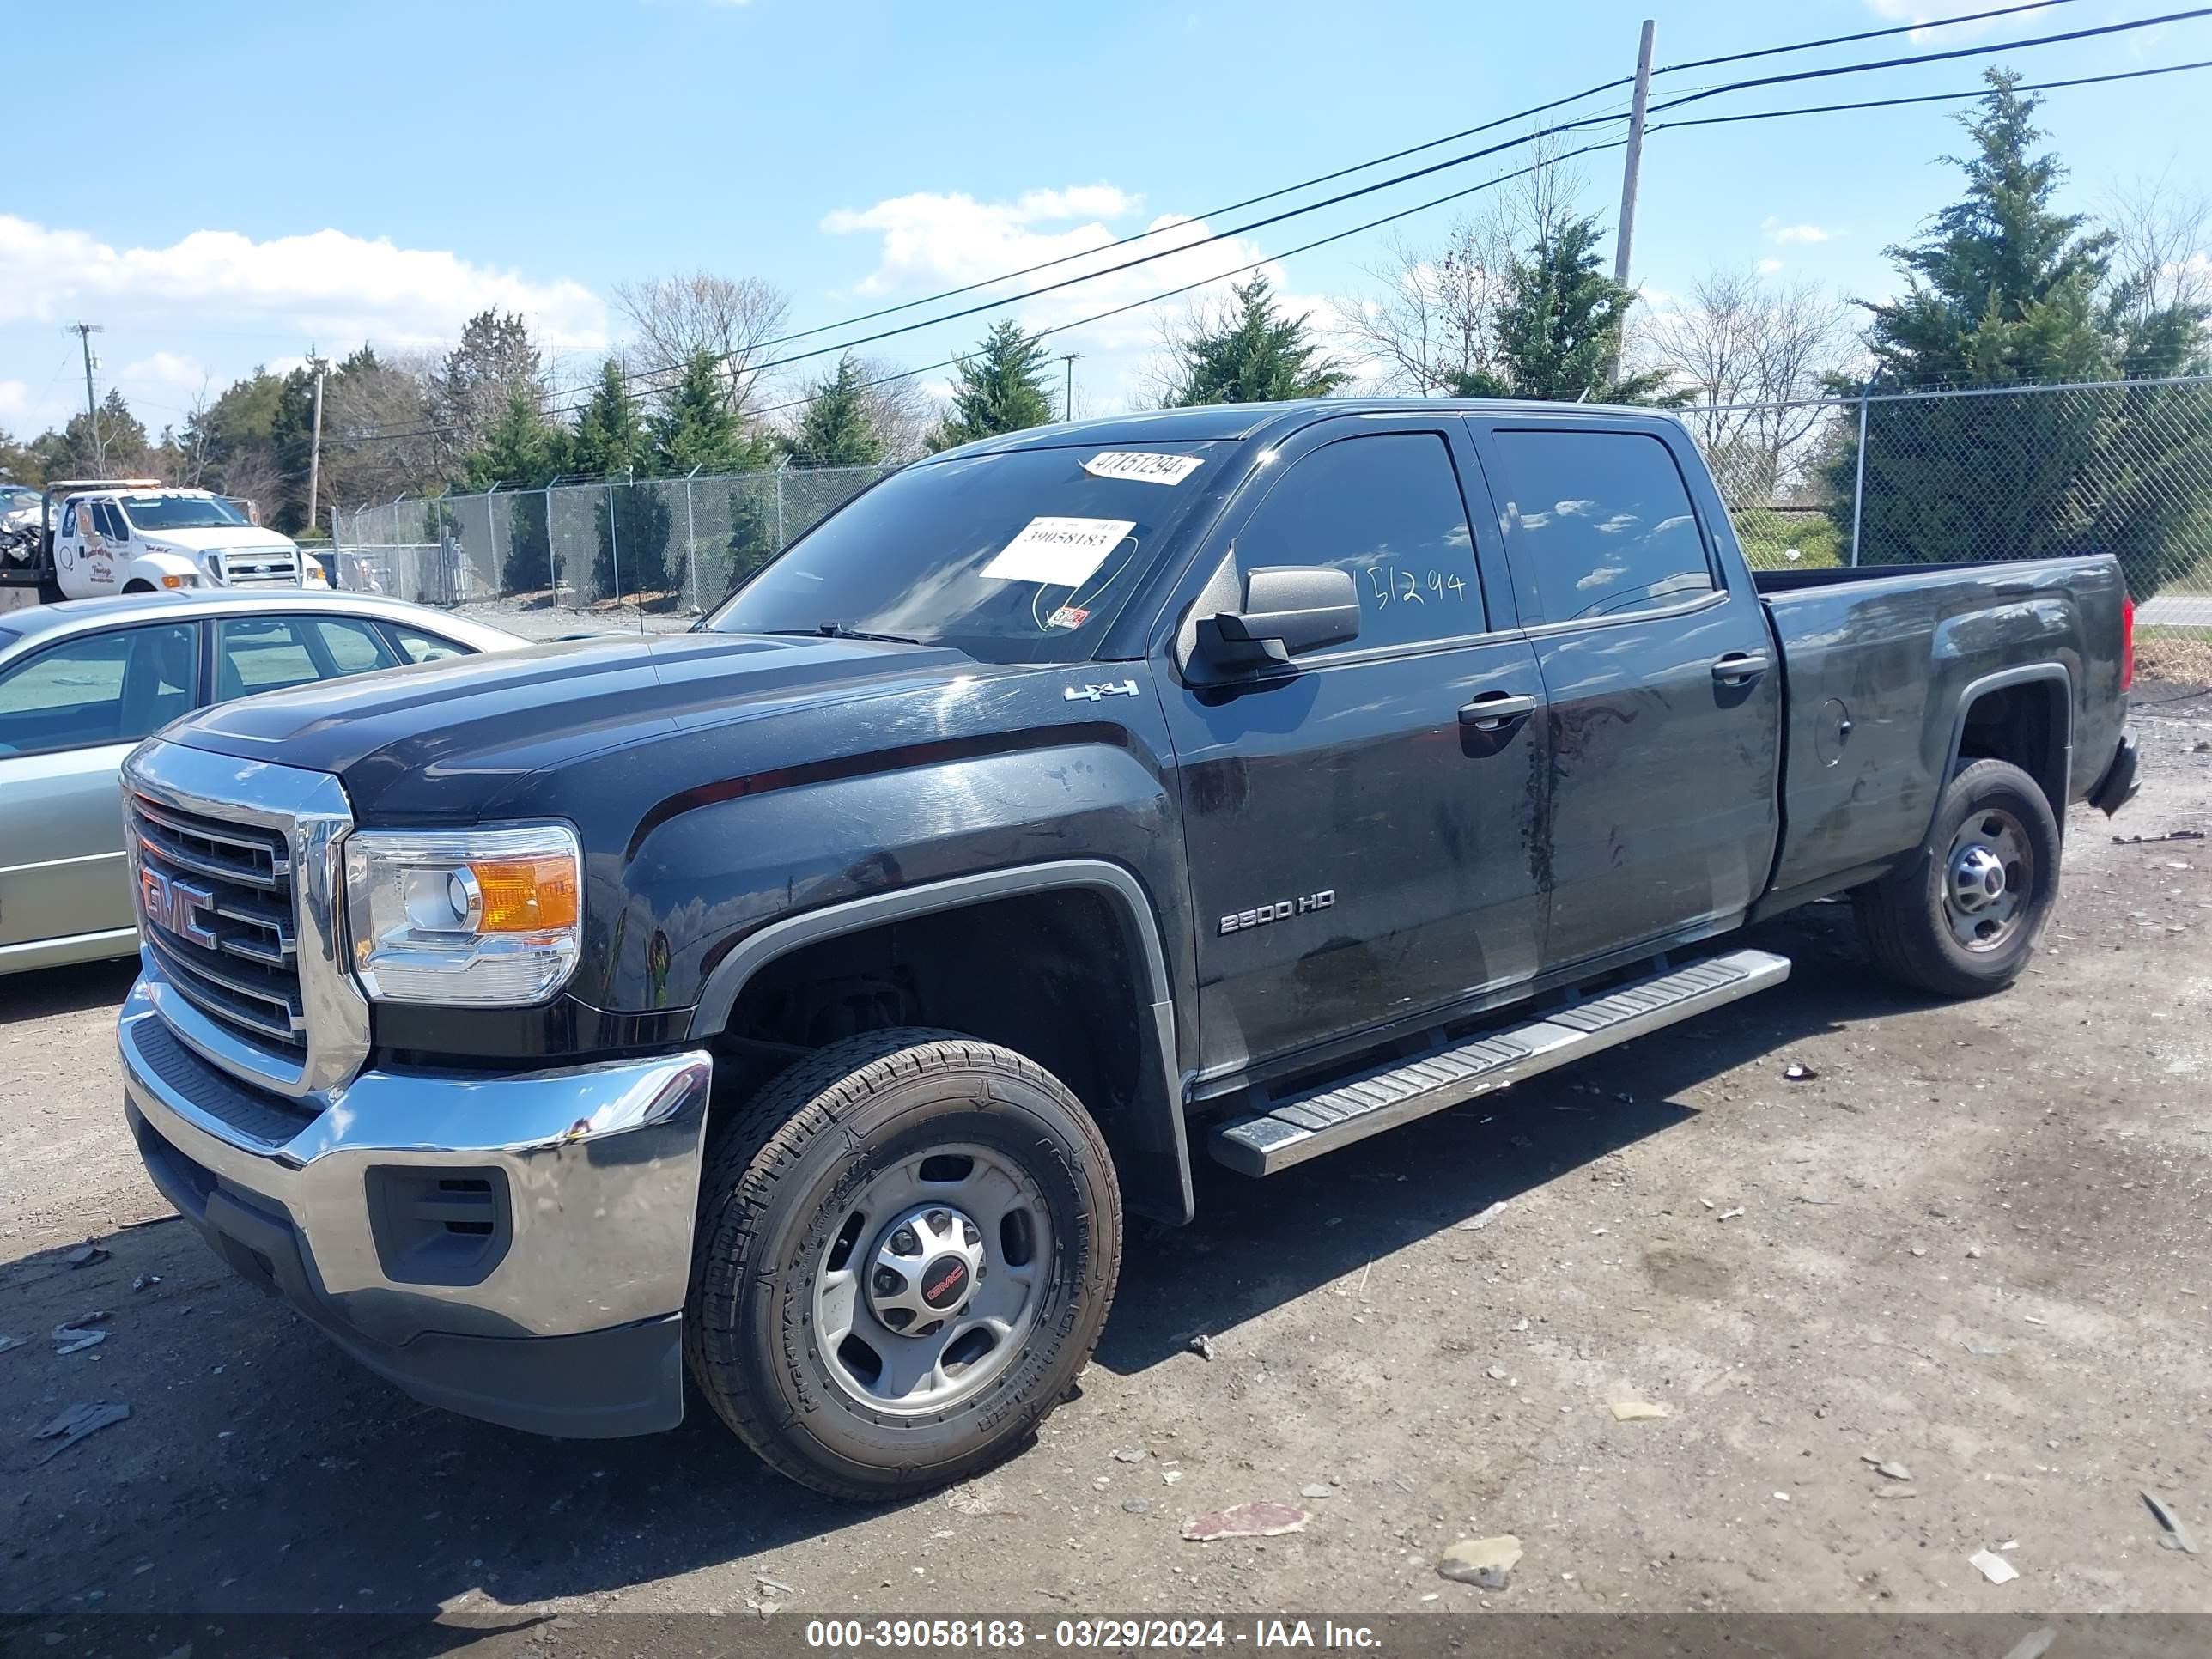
x: 1890, y: 669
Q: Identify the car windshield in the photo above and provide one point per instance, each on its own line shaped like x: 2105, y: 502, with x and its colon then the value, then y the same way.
x: 1022, y: 557
x: 180, y: 512
x: 14, y: 495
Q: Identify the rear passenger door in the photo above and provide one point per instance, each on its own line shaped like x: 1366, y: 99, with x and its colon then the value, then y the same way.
x: 1360, y: 853
x: 1662, y: 700
x: 269, y: 652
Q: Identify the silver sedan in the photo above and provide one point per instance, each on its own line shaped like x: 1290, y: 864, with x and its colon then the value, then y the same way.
x: 82, y: 682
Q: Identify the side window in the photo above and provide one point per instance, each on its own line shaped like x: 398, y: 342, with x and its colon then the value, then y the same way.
x: 1386, y: 507
x: 355, y: 647
x: 419, y: 647
x: 267, y: 653
x: 69, y: 520
x: 115, y: 687
x: 110, y: 522
x: 1601, y: 521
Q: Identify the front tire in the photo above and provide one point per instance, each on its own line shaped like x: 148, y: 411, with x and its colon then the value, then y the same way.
x: 1960, y: 918
x: 137, y: 586
x: 907, y: 1247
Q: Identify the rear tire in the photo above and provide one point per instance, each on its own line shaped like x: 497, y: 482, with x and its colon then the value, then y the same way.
x: 907, y: 1247
x: 1961, y: 916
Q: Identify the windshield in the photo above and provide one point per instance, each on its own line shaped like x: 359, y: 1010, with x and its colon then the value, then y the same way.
x: 180, y: 512
x: 1016, y: 557
x: 13, y: 496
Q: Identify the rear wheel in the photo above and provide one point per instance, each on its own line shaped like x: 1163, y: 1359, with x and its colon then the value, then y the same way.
x: 907, y: 1247
x: 1961, y: 918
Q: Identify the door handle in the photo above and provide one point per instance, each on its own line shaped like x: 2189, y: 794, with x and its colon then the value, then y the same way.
x: 1493, y: 711
x: 1739, y: 668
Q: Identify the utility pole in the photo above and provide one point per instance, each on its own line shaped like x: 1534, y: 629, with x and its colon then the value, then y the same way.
x: 1627, y: 233
x: 1067, y: 403
x: 84, y: 331
x: 315, y: 449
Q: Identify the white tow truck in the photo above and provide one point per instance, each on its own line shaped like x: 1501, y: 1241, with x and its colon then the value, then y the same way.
x: 101, y: 536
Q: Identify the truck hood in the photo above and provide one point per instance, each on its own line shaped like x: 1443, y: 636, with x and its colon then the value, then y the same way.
x: 224, y: 537
x: 450, y: 740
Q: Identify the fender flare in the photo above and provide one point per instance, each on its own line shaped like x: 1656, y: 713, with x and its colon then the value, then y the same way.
x: 1154, y: 1155
x: 2029, y: 674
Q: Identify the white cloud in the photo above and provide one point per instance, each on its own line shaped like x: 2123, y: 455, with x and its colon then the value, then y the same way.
x: 167, y: 369
x: 1778, y: 232
x: 326, y: 285
x: 15, y: 398
x: 1768, y: 267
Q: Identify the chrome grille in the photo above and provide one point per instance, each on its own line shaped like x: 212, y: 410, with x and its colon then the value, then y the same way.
x: 215, y: 907
x: 272, y: 570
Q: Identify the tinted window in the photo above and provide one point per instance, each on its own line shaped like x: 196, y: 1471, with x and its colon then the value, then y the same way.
x: 1601, y: 521
x: 266, y: 653
x: 1386, y: 509
x: 102, y: 688
x: 425, y: 647
x: 69, y: 520
x: 1016, y: 557
x: 110, y: 522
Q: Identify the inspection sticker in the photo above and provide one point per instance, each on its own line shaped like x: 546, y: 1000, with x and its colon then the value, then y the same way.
x: 1058, y: 552
x: 1141, y: 467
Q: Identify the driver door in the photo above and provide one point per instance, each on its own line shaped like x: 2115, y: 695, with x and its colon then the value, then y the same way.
x: 1362, y: 851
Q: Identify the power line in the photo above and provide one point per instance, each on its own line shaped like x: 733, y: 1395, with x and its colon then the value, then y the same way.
x: 1382, y: 161
x: 1419, y: 206
x: 1927, y: 97
x: 1932, y: 57
x: 1406, y: 177
x: 1864, y: 34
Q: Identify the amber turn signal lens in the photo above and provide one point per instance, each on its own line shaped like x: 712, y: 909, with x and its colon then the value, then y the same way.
x: 525, y: 895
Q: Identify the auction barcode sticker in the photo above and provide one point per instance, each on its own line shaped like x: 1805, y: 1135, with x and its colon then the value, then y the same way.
x: 1140, y: 467
x: 1058, y: 552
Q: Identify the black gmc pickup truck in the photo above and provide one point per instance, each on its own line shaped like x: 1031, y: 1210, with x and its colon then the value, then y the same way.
x: 798, y: 1002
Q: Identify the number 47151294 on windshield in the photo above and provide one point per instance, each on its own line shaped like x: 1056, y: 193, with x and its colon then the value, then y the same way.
x: 1392, y: 584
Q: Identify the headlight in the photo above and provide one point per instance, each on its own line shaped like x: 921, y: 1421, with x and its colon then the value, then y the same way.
x: 181, y: 581
x: 484, y: 918
x: 313, y: 574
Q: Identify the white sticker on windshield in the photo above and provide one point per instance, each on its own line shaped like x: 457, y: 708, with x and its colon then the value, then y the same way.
x: 1140, y: 467
x: 1058, y: 552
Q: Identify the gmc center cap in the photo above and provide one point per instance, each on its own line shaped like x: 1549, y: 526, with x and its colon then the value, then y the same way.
x: 944, y: 1282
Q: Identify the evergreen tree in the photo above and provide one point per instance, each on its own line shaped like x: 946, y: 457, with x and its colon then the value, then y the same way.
x: 633, y: 521
x: 694, y: 428
x: 2004, y: 289
x: 495, y: 357
x: 836, y: 428
x: 523, y: 451
x: 1000, y: 389
x: 1253, y: 354
x: 1559, y: 330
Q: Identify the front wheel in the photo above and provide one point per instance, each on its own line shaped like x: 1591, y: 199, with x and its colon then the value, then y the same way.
x: 907, y: 1246
x: 1960, y: 919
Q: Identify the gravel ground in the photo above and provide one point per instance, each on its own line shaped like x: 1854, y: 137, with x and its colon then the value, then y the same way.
x: 1976, y: 1243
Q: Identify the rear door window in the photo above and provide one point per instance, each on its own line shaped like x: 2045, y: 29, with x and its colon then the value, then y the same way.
x: 1599, y: 523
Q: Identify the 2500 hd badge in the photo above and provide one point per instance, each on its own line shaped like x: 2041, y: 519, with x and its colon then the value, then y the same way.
x: 1281, y: 910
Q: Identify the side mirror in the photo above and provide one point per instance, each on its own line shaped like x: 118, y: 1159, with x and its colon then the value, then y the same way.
x: 1288, y: 609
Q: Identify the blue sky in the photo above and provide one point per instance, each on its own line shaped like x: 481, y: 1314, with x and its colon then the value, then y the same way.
x: 267, y: 176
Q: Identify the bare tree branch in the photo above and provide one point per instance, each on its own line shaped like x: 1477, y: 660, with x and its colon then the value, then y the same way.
x: 675, y: 317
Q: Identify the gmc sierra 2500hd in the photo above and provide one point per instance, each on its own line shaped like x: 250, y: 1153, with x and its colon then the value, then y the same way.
x: 799, y: 1001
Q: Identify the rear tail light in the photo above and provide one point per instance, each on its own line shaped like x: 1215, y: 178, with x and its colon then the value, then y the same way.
x: 2127, y: 640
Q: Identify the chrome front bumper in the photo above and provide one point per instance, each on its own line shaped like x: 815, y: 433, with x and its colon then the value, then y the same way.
x: 516, y: 1247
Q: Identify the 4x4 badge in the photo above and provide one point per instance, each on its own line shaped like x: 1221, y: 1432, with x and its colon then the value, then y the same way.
x: 1092, y: 693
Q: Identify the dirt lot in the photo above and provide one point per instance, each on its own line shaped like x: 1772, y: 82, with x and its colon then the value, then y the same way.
x: 1978, y: 1243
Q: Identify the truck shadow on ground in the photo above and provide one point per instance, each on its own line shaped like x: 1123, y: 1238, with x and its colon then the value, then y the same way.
x: 70, y: 990
x: 262, y: 1472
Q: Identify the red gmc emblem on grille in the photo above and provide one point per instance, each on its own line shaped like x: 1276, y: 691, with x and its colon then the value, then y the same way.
x: 177, y: 907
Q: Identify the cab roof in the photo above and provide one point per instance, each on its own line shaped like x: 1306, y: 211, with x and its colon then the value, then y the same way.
x: 1236, y: 422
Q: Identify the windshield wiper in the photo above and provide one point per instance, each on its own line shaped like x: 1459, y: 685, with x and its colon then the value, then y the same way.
x: 834, y: 631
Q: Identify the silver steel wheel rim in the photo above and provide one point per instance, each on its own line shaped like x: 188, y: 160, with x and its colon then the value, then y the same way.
x: 1989, y: 880
x: 938, y: 1196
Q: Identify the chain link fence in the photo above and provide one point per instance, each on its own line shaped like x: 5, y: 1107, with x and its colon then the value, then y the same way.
x: 651, y: 553
x: 1886, y: 478
x: 2123, y: 467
